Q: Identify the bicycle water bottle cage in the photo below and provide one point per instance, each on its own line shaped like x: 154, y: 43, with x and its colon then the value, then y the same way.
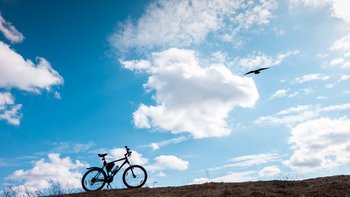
x: 109, y: 166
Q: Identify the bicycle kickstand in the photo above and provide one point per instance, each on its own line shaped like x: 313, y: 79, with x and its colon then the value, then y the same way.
x: 109, y: 186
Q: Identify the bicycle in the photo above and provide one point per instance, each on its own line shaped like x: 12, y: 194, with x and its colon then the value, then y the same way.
x: 95, y: 178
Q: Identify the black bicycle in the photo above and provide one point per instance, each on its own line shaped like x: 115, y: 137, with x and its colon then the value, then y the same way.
x: 95, y: 178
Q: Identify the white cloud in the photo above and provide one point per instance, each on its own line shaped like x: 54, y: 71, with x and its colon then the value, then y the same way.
x: 311, y: 77
x: 157, y: 145
x: 15, y: 72
x: 231, y: 177
x: 320, y: 143
x: 337, y: 61
x: 158, y: 164
x: 168, y: 162
x: 248, y: 160
x: 299, y: 114
x: 191, y: 97
x: 135, y: 158
x: 279, y: 93
x: 135, y: 65
x: 330, y: 85
x: 67, y: 147
x: 259, y: 13
x: 289, y: 116
x: 344, y: 77
x: 321, y: 97
x: 339, y: 107
x: 269, y: 171
x: 9, y: 111
x: 182, y: 23
x: 200, y: 180
x: 341, y: 45
x: 10, y: 31
x: 62, y: 170
x: 339, y: 8
x: 262, y: 60
x: 236, y: 177
x: 161, y: 174
x: 251, y: 160
x: 291, y: 93
x: 310, y: 2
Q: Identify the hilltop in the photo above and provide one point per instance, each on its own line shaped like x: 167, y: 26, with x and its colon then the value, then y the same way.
x: 323, y: 186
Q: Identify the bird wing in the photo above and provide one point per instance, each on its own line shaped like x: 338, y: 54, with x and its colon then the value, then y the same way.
x: 249, y: 72
x: 260, y: 69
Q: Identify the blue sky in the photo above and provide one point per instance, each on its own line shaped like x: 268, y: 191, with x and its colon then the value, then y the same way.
x: 167, y: 79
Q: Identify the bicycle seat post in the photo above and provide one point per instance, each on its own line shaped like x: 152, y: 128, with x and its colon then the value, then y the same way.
x: 104, y: 161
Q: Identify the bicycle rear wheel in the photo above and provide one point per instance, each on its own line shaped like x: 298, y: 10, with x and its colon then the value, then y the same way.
x: 134, y: 176
x: 94, y: 180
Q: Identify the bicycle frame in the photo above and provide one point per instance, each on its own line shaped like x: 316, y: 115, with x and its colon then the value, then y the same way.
x: 114, y: 171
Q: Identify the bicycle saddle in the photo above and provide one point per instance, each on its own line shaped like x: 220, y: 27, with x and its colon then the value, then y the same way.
x: 102, y: 155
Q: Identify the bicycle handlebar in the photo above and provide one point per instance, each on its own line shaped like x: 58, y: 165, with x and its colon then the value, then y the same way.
x: 128, y: 152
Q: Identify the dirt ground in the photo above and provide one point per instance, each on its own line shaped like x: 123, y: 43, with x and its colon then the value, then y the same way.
x: 325, y: 186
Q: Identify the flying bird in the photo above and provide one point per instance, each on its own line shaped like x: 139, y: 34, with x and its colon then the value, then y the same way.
x: 257, y: 71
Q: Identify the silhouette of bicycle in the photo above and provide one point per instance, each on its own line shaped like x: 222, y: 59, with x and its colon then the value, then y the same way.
x: 95, y: 178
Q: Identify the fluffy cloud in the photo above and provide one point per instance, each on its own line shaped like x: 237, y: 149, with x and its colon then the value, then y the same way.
x: 16, y: 72
x: 168, y: 162
x: 158, y: 164
x: 186, y: 22
x: 62, y: 170
x: 136, y: 158
x: 320, y: 143
x: 10, y: 32
x: 191, y: 97
x: 9, y: 111
x: 269, y: 171
x: 311, y: 77
x: 262, y: 60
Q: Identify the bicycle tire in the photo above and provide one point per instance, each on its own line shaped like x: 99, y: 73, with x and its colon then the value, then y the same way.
x: 91, y: 182
x: 138, y: 174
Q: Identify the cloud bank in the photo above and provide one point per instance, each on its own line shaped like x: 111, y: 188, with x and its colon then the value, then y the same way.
x: 320, y: 143
x: 63, y: 170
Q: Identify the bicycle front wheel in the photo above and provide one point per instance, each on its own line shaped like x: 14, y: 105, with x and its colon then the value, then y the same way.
x: 94, y: 180
x: 134, y: 176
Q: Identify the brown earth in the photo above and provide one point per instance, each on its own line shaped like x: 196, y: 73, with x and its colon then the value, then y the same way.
x: 325, y: 186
